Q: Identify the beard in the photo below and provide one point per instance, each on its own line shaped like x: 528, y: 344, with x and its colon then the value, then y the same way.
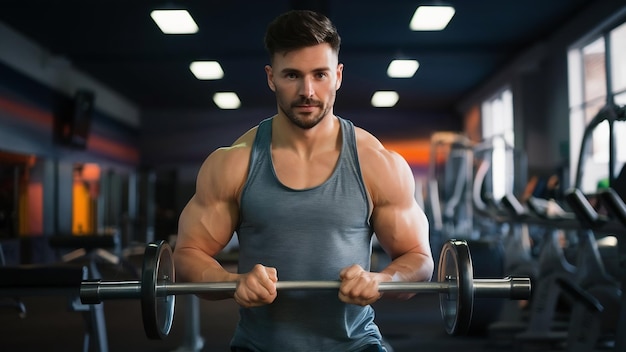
x: 305, y: 120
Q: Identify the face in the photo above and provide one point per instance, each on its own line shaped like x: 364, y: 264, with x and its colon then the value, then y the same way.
x: 305, y: 82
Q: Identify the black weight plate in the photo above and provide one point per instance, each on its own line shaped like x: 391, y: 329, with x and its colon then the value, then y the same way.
x: 455, y: 268
x: 157, y: 310
x: 487, y: 262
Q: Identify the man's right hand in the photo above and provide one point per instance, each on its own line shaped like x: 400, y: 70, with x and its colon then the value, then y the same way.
x: 257, y: 287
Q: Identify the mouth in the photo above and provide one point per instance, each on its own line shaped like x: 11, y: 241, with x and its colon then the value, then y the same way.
x: 306, y: 107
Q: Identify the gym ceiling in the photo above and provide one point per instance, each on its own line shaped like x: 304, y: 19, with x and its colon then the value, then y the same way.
x: 117, y: 43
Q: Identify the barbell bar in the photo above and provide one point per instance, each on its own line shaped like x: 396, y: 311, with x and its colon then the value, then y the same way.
x: 157, y: 289
x: 93, y: 292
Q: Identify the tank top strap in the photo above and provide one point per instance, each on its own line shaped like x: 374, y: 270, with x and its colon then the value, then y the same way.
x: 262, y: 140
x: 350, y: 154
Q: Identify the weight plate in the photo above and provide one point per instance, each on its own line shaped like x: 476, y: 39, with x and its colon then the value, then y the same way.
x: 455, y: 268
x: 157, y: 310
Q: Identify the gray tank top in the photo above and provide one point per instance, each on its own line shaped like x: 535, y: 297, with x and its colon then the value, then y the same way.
x: 306, y: 234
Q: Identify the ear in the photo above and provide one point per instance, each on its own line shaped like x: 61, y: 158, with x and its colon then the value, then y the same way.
x: 270, y: 77
x: 339, y: 76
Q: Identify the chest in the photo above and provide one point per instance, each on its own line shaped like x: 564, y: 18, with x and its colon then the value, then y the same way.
x: 302, y: 173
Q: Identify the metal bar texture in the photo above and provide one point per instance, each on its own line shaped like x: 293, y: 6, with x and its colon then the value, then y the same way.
x: 497, y: 288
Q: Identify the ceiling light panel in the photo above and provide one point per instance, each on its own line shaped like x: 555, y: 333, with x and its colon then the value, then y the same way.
x: 431, y: 18
x: 207, y: 70
x: 384, y: 99
x: 226, y: 100
x: 402, y: 68
x: 174, y: 21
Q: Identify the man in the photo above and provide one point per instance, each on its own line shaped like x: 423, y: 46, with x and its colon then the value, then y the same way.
x: 305, y: 190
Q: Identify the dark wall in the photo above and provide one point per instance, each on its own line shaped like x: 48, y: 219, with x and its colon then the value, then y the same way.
x: 539, y: 80
x: 29, y: 114
x: 175, y: 138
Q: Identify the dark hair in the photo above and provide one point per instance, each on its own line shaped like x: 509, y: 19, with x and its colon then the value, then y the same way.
x: 298, y: 29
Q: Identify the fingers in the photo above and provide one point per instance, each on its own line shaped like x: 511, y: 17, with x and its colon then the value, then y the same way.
x: 358, y: 286
x: 257, y: 287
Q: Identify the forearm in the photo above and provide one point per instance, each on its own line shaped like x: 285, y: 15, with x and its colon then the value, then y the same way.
x: 193, y: 265
x: 410, y: 267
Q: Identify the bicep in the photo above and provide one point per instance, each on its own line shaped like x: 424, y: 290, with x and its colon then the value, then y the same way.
x: 206, y: 227
x: 208, y: 221
x: 399, y: 223
x: 401, y: 229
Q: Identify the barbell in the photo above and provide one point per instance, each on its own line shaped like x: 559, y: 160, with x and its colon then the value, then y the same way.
x: 157, y: 289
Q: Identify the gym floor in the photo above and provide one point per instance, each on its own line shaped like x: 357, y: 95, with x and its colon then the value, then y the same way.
x: 408, y: 326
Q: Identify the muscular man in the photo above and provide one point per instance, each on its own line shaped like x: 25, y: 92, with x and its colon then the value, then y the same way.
x: 305, y: 191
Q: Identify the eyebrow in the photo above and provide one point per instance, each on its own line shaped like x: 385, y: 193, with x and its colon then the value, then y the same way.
x: 293, y: 70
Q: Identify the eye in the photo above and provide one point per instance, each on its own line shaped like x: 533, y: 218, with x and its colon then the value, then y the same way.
x: 322, y: 75
x: 291, y: 75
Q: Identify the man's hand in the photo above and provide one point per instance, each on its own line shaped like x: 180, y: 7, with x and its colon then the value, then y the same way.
x: 359, y: 286
x: 257, y: 287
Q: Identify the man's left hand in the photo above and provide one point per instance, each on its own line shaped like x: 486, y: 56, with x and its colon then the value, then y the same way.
x: 359, y: 286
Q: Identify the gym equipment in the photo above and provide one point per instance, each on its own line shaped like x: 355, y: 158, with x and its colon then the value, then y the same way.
x: 609, y: 113
x: 58, y: 280
x: 94, y: 249
x: 453, y: 215
x: 590, y: 325
x: 15, y: 302
x: 500, y: 226
x: 157, y: 288
x: 449, y: 179
x: 613, y: 201
x: 616, y: 205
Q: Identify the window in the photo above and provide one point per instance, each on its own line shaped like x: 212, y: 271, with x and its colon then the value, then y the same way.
x: 497, y: 126
x: 589, y: 90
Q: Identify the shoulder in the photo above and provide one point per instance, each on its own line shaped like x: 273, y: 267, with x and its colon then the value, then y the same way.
x: 372, y: 153
x: 385, y: 172
x: 234, y: 154
x: 225, y: 169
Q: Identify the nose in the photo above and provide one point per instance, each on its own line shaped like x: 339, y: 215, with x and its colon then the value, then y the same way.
x: 306, y: 88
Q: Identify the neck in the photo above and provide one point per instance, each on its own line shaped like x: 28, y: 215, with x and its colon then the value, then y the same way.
x: 306, y: 142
